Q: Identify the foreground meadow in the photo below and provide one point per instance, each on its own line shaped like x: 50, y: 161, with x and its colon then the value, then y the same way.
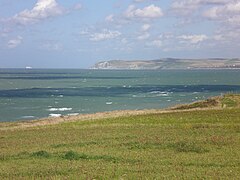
x: 196, y: 144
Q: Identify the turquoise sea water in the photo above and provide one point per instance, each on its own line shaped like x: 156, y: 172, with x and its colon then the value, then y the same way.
x: 37, y: 93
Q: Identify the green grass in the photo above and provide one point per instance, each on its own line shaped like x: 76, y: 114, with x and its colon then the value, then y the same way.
x: 176, y: 145
x: 231, y: 100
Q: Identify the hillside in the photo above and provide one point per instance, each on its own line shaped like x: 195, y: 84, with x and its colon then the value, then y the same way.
x: 169, y: 63
x: 195, y: 141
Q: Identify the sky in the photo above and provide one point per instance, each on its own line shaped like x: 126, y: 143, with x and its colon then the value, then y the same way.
x: 79, y: 33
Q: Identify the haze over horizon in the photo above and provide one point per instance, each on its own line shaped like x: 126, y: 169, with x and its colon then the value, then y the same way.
x: 79, y: 33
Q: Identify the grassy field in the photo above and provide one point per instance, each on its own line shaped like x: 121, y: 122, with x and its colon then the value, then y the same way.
x: 194, y: 144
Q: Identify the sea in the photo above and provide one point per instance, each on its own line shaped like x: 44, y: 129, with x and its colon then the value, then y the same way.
x: 27, y: 94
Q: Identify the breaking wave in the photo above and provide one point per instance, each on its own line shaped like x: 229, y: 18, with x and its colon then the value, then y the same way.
x: 60, y: 109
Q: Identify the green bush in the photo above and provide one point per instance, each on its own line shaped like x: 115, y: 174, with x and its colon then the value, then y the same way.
x: 187, y: 147
x: 43, y: 154
x: 71, y: 155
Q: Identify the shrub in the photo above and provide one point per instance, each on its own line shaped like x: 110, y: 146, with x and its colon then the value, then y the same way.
x: 71, y: 155
x: 43, y: 154
x: 187, y: 147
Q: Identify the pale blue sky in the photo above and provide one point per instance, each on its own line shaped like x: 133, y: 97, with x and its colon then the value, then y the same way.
x: 79, y: 33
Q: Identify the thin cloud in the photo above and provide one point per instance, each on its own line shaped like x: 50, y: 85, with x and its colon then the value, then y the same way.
x: 13, y: 43
x: 148, y: 12
x: 193, y: 39
x: 186, y: 7
x: 134, y: 14
x: 77, y: 6
x: 110, y: 18
x: 104, y: 35
x: 139, y: 1
x: 143, y: 36
x: 51, y: 46
x: 145, y: 27
x: 155, y: 43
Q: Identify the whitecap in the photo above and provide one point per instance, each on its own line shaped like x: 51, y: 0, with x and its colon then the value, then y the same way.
x: 160, y: 93
x: 55, y: 115
x: 156, y: 92
x: 27, y: 117
x: 60, y: 95
x: 183, y: 95
x: 60, y: 109
x: 108, y: 103
x: 53, y: 109
x: 73, y: 114
x: 163, y: 94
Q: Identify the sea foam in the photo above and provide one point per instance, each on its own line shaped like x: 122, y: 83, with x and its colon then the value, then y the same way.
x: 55, y: 115
x: 60, y: 109
x: 73, y: 114
x: 27, y: 117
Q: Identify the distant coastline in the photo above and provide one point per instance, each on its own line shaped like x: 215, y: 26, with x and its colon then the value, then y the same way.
x: 169, y: 63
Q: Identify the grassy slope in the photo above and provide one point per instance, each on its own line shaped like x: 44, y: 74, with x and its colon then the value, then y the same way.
x: 194, y: 144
